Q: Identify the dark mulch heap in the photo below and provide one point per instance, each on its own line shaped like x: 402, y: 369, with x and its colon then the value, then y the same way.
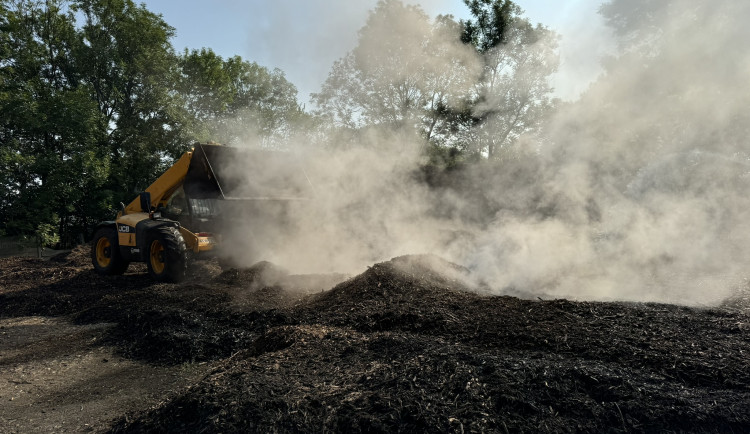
x: 403, y: 348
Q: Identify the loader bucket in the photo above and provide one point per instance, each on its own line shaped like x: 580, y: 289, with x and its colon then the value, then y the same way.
x: 220, y: 172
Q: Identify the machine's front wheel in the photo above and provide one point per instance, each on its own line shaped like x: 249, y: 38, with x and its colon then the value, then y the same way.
x: 105, y: 253
x: 167, y: 254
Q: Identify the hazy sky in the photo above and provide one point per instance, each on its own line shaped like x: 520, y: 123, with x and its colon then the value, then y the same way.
x: 304, y: 37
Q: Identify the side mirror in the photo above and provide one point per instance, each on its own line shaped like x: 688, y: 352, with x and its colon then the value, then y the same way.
x: 145, y: 201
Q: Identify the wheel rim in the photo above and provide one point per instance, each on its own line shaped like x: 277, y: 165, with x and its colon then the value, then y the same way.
x: 103, y: 252
x: 157, y: 257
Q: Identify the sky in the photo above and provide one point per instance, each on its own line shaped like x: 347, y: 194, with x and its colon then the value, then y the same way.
x: 304, y: 37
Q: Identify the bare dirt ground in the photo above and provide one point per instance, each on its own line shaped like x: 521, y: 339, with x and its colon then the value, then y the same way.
x: 56, y: 377
x: 399, y: 348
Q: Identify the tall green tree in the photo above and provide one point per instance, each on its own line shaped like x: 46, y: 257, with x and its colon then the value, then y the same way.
x: 475, y: 86
x: 513, y: 94
x: 131, y: 66
x: 49, y: 125
x: 405, y: 71
x: 234, y: 101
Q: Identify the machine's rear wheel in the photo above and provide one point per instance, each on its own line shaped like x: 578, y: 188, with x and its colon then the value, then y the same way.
x: 167, y: 254
x: 105, y: 253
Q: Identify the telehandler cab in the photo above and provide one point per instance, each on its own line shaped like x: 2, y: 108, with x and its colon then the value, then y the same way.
x: 180, y: 216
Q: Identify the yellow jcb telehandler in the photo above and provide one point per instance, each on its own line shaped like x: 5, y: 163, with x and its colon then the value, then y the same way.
x: 180, y: 216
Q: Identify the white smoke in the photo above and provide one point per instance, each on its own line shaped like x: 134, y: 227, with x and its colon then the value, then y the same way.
x: 658, y: 147
x: 637, y: 191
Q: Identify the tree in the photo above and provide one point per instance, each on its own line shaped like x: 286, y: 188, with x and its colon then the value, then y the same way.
x: 131, y: 66
x: 404, y: 72
x: 48, y: 153
x: 204, y: 89
x: 232, y: 100
x: 477, y: 85
x: 95, y: 104
x: 513, y: 93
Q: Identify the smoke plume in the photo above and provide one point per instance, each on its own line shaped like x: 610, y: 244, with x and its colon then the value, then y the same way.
x: 636, y: 191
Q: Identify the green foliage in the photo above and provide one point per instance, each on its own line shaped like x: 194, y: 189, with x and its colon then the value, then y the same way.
x: 475, y: 86
x: 513, y: 94
x: 407, y: 74
x: 47, y: 120
x: 130, y: 65
x: 47, y: 235
x: 95, y: 104
x: 492, y: 22
x: 234, y: 101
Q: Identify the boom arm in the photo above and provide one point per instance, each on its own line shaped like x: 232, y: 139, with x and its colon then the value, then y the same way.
x: 215, y: 171
x: 165, y: 184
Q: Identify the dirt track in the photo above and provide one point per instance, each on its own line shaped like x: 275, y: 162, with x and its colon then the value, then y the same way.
x: 399, y: 348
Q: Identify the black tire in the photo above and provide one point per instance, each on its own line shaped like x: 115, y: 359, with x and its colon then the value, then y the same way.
x: 167, y: 258
x: 105, y: 253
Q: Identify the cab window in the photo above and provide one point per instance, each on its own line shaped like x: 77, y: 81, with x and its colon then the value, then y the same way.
x: 177, y: 204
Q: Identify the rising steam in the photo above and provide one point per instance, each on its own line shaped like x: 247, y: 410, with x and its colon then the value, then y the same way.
x: 637, y: 191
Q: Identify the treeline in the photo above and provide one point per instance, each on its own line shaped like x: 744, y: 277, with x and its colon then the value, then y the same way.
x: 95, y: 102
